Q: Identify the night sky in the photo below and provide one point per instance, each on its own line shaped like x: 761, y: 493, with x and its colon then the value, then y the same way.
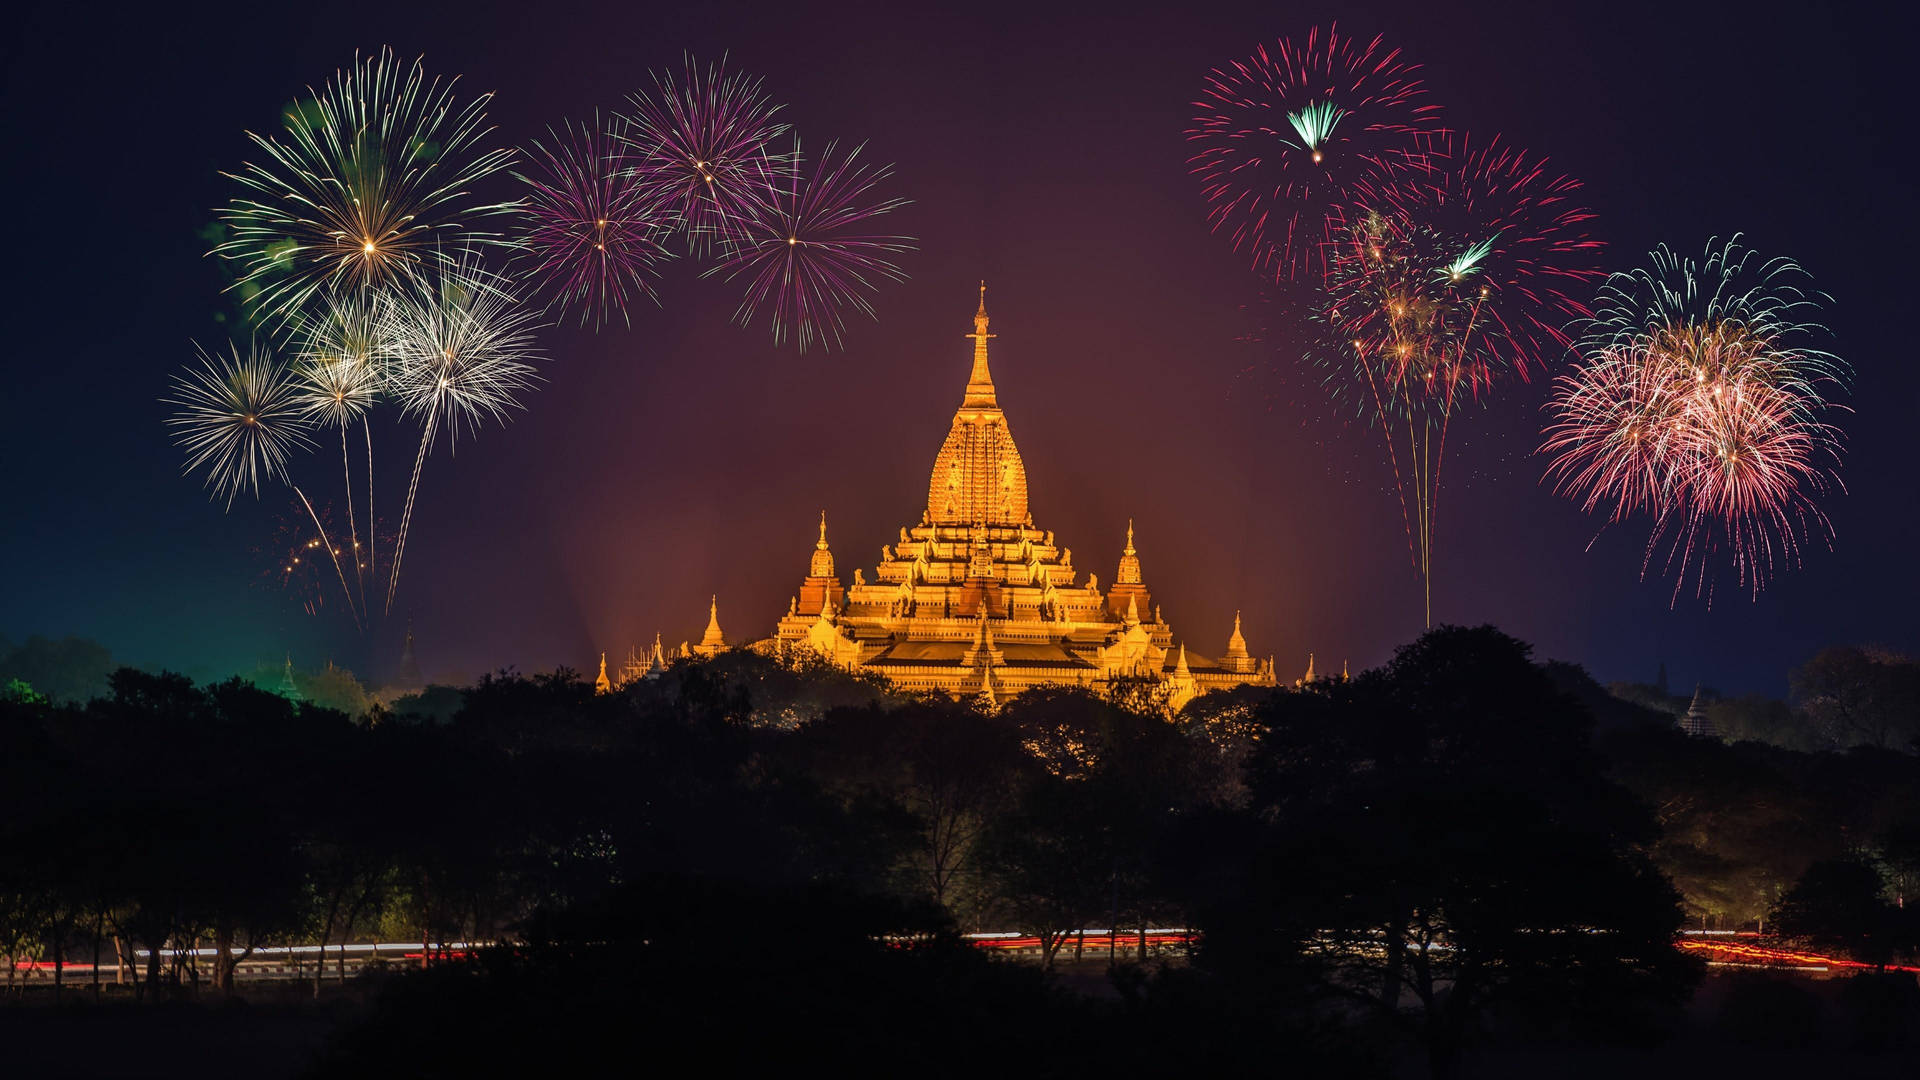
x: 1044, y: 153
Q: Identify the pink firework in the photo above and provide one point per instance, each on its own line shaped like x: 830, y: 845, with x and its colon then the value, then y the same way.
x: 595, y: 237
x: 806, y: 252
x: 700, y: 148
x: 1507, y: 235
x: 1701, y: 405
x: 1283, y: 136
x: 1615, y: 437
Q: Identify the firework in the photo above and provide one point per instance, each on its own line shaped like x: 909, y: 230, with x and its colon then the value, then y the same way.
x: 371, y: 181
x: 339, y: 373
x: 1283, y: 136
x: 464, y: 348
x: 295, y: 557
x: 1449, y: 272
x: 238, y: 419
x: 1483, y: 239
x: 342, y: 370
x: 804, y: 254
x: 1700, y: 402
x: 595, y: 230
x: 699, y: 149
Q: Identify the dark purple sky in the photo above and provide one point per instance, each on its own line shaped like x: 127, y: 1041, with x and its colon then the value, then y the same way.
x: 1043, y: 152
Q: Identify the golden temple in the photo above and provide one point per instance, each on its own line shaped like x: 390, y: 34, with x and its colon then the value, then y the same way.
x: 977, y: 601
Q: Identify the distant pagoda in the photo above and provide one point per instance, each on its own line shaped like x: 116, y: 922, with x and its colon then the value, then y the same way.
x: 1696, y: 721
x: 288, y: 688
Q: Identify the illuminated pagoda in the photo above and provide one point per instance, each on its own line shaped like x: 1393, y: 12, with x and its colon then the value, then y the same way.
x: 977, y: 601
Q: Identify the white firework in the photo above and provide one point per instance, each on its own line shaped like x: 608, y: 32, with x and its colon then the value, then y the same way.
x: 238, y: 419
x: 463, y: 349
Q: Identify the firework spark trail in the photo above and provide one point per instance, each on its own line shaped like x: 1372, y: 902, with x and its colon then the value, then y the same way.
x: 332, y: 552
x: 373, y: 540
x: 801, y: 257
x: 699, y: 148
x: 406, y: 514
x: 341, y: 372
x: 464, y: 347
x: 1701, y: 402
x: 595, y: 227
x: 369, y: 184
x: 1283, y: 136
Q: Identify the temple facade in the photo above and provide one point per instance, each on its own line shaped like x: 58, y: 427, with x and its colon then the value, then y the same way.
x: 977, y: 600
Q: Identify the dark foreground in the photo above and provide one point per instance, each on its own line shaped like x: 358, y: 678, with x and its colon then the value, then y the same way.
x: 1738, y: 1023
x: 1462, y: 863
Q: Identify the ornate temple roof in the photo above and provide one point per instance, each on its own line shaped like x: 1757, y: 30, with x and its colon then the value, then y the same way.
x: 978, y: 475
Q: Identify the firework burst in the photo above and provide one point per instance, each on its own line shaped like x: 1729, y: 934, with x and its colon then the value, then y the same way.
x: 464, y: 349
x: 699, y: 149
x: 596, y: 230
x: 371, y: 180
x: 1483, y: 233
x: 1282, y: 137
x: 805, y: 253
x: 1451, y: 275
x: 238, y: 419
x: 1700, y: 402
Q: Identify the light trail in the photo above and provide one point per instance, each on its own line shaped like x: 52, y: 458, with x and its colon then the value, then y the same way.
x: 1744, y: 953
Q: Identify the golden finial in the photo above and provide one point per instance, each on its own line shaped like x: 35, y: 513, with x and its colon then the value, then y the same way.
x: 1129, y: 550
x: 822, y: 545
x: 980, y: 393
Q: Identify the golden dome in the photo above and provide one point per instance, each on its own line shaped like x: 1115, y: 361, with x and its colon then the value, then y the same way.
x: 978, y: 476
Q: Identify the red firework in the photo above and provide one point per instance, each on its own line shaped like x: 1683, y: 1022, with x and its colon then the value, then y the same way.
x: 595, y: 237
x: 699, y: 148
x: 1283, y: 137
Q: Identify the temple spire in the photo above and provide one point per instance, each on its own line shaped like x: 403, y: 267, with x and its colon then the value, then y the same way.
x: 980, y: 393
x: 601, y: 684
x: 713, y: 641
x: 1236, y: 642
x: 820, y: 565
x: 1128, y: 572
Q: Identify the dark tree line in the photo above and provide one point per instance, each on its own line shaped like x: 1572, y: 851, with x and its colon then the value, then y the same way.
x: 1460, y: 843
